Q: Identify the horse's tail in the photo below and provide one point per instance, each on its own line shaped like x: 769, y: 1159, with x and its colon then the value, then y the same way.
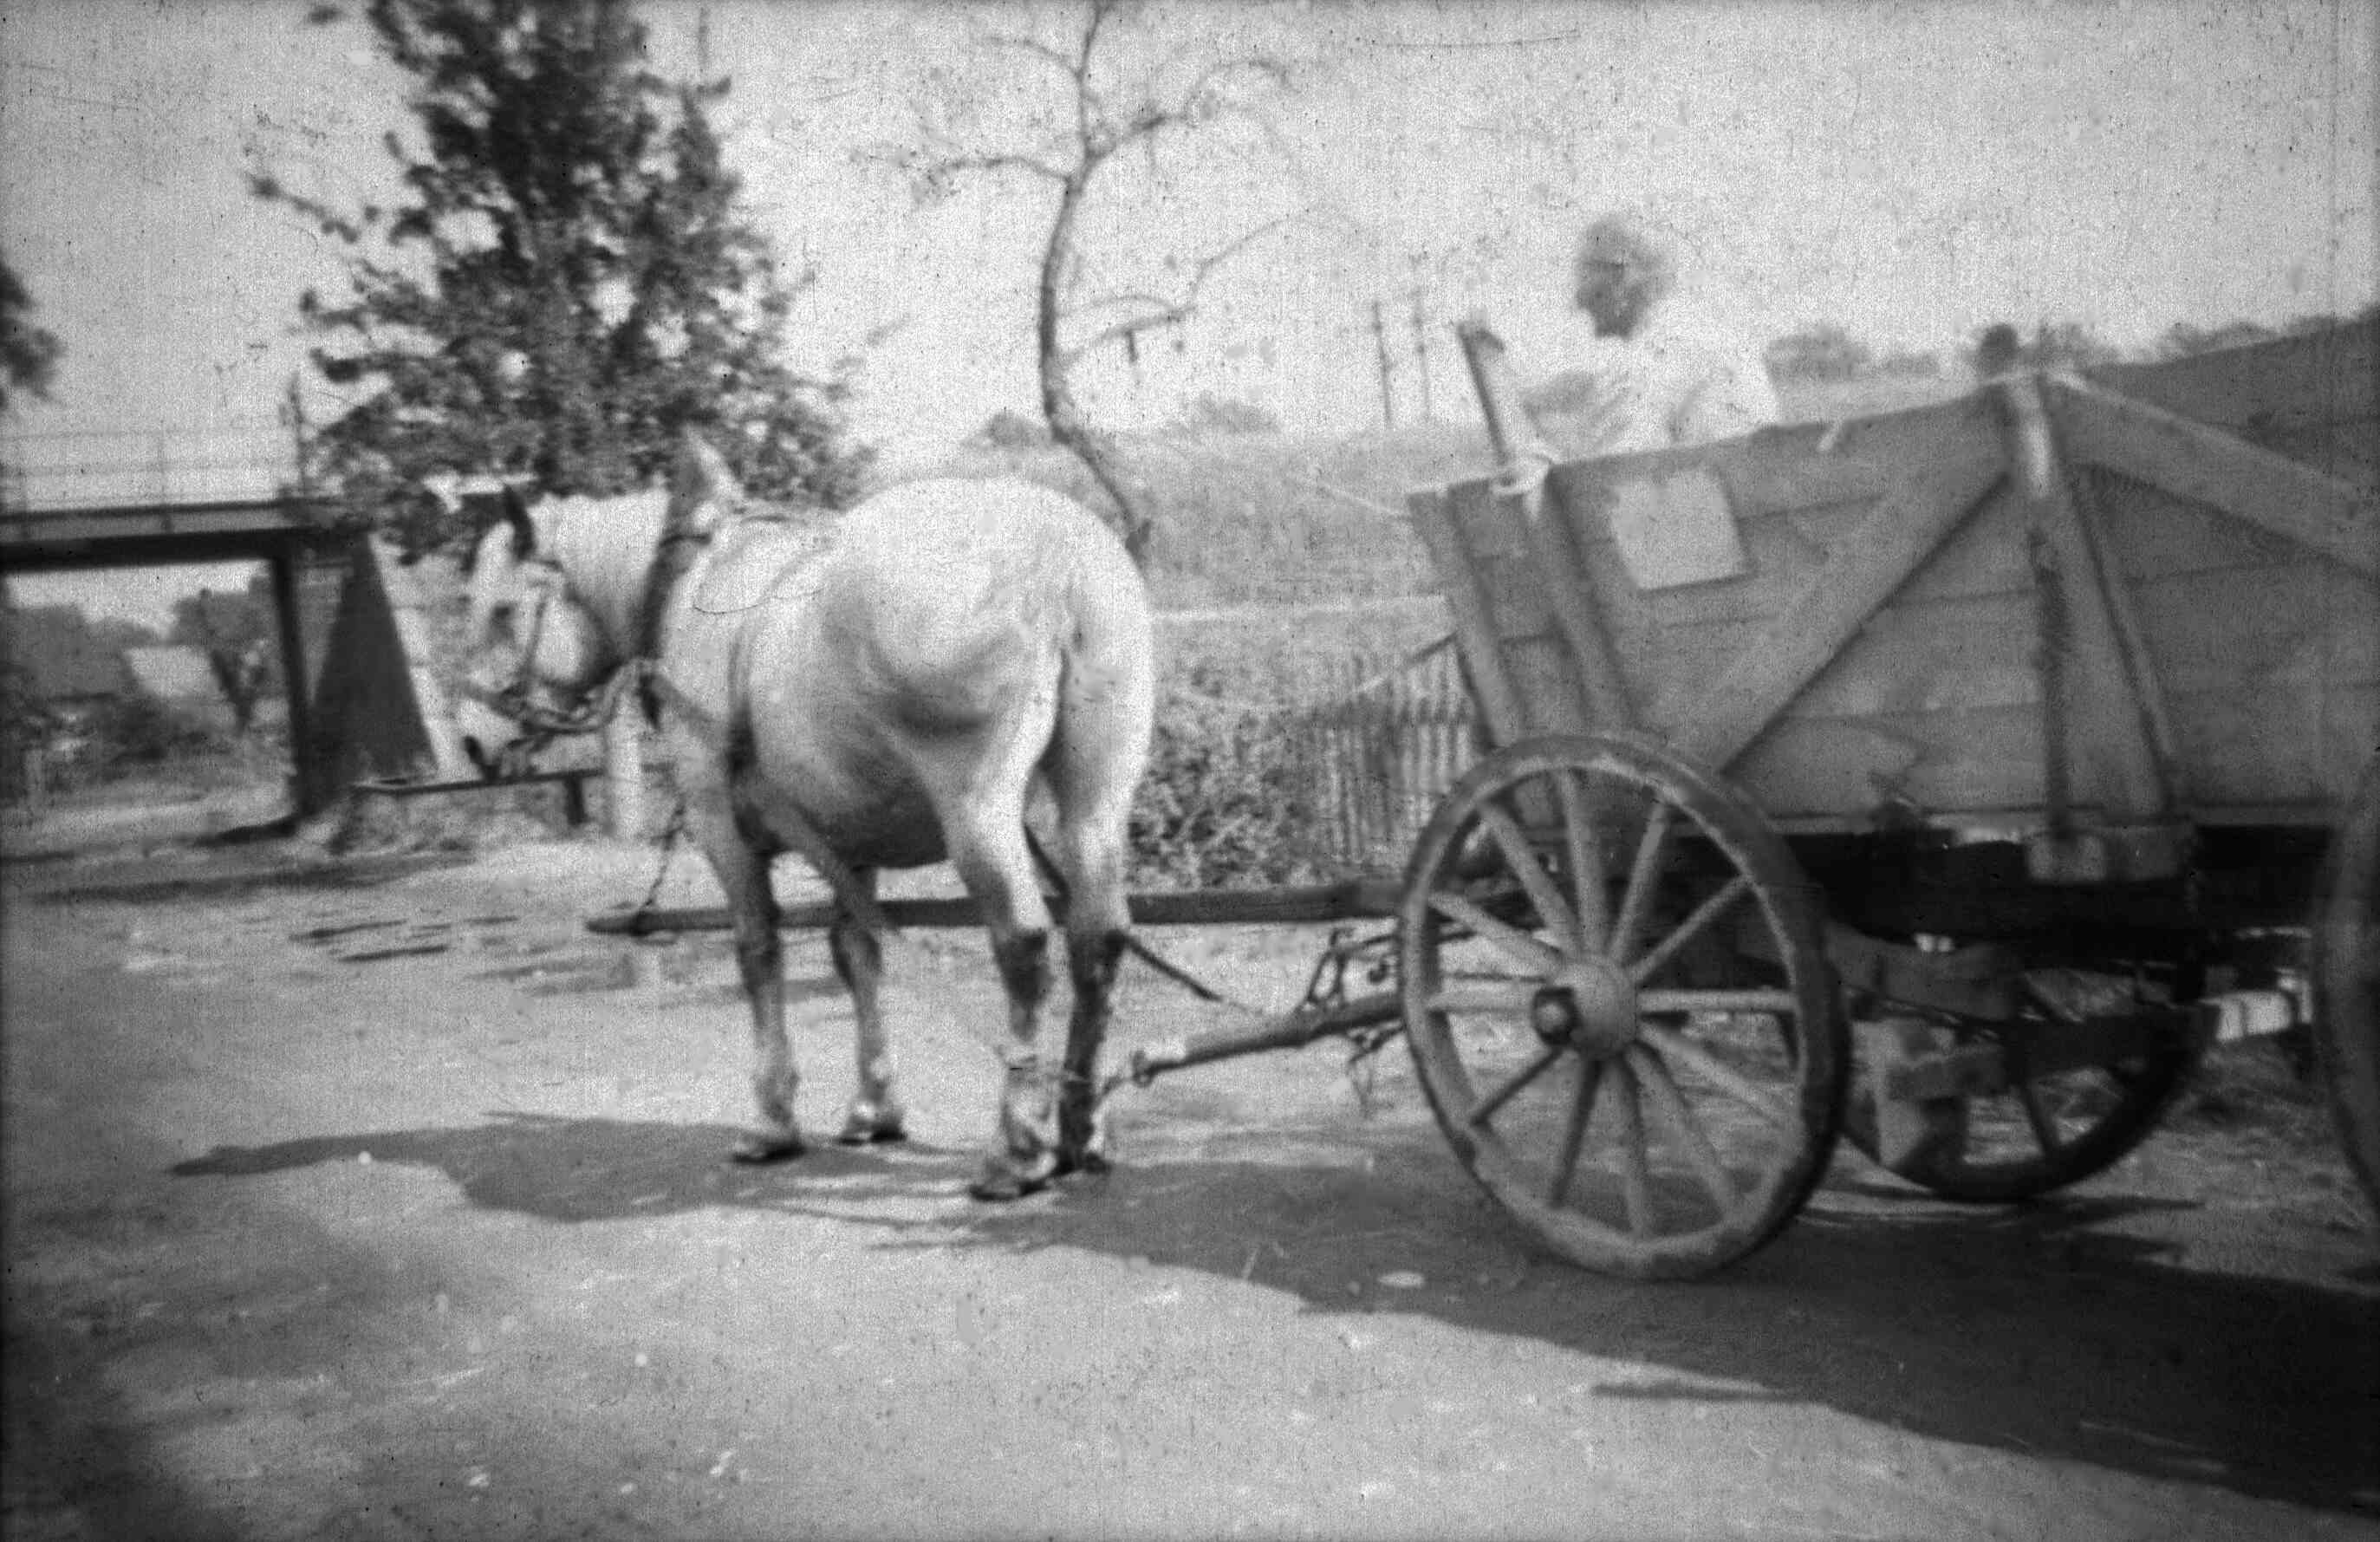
x: 1107, y: 698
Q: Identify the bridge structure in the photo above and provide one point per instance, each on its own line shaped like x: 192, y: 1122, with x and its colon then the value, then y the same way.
x: 349, y: 658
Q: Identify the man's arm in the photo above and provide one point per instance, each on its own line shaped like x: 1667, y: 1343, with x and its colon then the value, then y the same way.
x: 1733, y: 397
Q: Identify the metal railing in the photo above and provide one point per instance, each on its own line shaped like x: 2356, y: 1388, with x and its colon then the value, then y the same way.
x: 63, y: 471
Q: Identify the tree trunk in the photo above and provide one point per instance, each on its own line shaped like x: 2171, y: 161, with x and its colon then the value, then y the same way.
x: 1058, y: 404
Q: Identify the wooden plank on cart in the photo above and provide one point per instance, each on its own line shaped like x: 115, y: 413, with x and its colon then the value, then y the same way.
x: 1905, y: 528
x: 1515, y: 638
x: 2289, y: 394
x: 1526, y: 501
x: 2093, y: 678
x: 1466, y: 598
x: 2326, y: 513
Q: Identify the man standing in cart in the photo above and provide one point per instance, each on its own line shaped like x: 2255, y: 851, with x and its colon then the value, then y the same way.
x: 1663, y: 372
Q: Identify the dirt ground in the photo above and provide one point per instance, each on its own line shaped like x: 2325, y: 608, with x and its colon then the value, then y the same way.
x: 385, y: 1201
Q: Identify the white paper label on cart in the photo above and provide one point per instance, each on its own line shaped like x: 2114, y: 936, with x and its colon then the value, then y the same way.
x: 1676, y: 529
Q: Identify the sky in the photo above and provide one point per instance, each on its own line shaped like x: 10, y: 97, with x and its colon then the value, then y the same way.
x: 1913, y: 171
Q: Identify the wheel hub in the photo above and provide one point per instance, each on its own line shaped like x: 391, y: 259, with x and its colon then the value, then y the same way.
x: 1589, y: 1006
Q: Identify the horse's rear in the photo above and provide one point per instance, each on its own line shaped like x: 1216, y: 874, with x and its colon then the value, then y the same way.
x: 957, y: 643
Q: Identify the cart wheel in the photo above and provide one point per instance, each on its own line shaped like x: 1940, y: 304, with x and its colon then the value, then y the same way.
x: 2048, y: 1130
x: 1619, y: 1006
x: 2347, y: 982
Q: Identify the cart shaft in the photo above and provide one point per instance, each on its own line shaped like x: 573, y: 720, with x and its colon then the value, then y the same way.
x: 1294, y: 1031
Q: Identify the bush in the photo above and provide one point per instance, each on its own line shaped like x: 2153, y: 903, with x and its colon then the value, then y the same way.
x: 137, y: 730
x: 1226, y: 801
x: 1010, y: 430
x: 1212, y: 415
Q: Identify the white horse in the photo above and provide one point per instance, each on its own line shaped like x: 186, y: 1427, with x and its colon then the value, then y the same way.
x: 879, y: 690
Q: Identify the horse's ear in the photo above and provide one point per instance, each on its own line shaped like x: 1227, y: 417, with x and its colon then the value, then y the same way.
x: 702, y: 488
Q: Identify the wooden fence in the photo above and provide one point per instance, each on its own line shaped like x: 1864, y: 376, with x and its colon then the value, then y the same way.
x: 1383, y: 751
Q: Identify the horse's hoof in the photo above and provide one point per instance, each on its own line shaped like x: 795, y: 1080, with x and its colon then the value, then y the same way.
x: 1006, y: 1178
x: 1089, y: 1164
x: 767, y: 1146
x: 869, y: 1123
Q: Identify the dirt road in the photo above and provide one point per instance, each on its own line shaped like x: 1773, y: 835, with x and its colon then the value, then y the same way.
x: 420, y: 1228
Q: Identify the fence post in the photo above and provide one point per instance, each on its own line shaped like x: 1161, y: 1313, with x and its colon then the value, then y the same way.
x: 37, y: 781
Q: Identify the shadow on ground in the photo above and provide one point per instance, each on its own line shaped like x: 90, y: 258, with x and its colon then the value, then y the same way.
x: 2054, y: 1330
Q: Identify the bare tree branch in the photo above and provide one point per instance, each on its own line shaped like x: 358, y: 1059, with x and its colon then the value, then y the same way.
x: 1156, y: 310
x: 1102, y: 128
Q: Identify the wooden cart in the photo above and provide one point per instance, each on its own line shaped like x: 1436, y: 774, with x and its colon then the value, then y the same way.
x: 2002, y: 749
x: 1952, y: 776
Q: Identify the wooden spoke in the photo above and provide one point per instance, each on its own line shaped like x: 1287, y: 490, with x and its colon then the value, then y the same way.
x: 2050, y: 1003
x: 1642, y: 875
x: 1780, y: 1004
x: 1689, y: 929
x: 2045, y: 1124
x: 1516, y: 944
x: 1636, y: 1174
x: 1590, y: 1076
x: 1586, y: 876
x: 1507, y: 997
x: 1676, y: 1047
x: 1671, y: 1105
x: 1486, y: 1108
x: 1513, y: 842
x: 1618, y: 1164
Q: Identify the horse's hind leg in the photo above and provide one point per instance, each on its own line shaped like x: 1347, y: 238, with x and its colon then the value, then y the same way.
x: 760, y: 957
x: 1097, y: 922
x: 1095, y: 762
x: 875, y: 1114
x: 987, y: 845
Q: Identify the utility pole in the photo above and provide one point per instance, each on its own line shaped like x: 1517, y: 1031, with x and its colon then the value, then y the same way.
x: 1421, y: 352
x: 1380, y: 346
x: 297, y: 438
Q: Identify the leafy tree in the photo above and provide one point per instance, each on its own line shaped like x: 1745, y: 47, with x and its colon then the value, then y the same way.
x: 235, y: 632
x: 1823, y: 350
x: 2052, y: 346
x: 27, y: 353
x: 567, y: 283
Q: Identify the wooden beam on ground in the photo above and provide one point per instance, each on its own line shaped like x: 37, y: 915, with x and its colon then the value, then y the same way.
x: 1313, y: 905
x: 2189, y: 460
x: 573, y: 782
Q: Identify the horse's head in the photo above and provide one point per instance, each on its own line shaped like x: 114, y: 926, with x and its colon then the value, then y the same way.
x: 565, y: 592
x: 532, y: 649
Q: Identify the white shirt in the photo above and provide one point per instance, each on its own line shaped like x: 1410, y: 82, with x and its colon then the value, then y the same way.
x: 1682, y: 378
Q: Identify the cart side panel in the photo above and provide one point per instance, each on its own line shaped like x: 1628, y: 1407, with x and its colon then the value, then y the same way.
x: 2294, y: 394
x: 1913, y: 680
x: 1932, y: 708
x: 1879, y: 652
x: 2270, y: 661
x: 2267, y: 650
